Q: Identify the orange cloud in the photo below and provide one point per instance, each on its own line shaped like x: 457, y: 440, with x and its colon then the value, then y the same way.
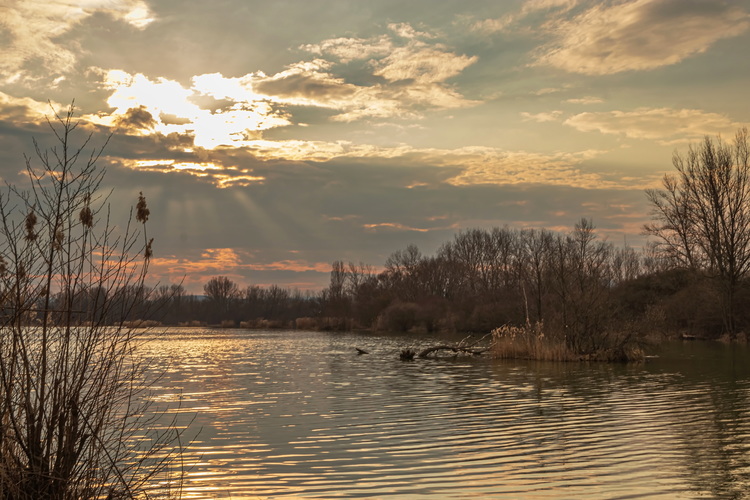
x: 402, y: 227
x: 230, y: 262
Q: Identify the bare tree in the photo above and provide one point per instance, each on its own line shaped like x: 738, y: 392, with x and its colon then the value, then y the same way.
x: 222, y: 292
x: 536, y: 247
x: 702, y: 216
x: 71, y: 381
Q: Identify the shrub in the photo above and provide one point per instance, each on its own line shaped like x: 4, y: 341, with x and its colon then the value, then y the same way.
x: 71, y: 381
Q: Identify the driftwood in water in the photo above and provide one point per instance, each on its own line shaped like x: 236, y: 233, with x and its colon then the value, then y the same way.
x: 476, y: 351
x: 461, y: 347
x: 407, y: 354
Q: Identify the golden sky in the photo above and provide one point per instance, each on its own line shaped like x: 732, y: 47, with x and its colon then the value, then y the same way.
x: 272, y: 138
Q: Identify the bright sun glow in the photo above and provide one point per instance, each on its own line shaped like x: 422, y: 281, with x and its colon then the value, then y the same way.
x: 164, y: 106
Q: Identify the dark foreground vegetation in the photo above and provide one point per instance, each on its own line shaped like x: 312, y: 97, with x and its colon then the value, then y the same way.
x: 73, y: 420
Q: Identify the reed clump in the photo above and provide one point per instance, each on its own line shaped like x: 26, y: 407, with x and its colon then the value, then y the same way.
x: 531, y: 342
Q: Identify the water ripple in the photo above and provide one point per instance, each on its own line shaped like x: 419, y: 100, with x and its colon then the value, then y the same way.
x: 300, y: 415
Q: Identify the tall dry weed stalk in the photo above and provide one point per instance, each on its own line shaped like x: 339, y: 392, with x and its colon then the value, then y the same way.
x: 529, y: 342
x: 71, y: 381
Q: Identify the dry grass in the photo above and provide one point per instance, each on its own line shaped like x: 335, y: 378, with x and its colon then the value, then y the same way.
x: 193, y: 323
x: 141, y: 323
x: 531, y: 342
x: 263, y: 324
x: 338, y: 324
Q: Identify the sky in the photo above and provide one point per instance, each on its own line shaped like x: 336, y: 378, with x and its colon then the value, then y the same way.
x: 271, y: 138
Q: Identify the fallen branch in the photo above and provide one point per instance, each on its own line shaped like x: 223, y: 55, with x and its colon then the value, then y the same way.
x: 476, y: 351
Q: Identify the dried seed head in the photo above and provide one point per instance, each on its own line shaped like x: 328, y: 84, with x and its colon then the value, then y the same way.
x: 142, y: 211
x: 148, y: 252
x: 3, y: 266
x: 59, y: 239
x: 30, y: 225
x: 86, y: 216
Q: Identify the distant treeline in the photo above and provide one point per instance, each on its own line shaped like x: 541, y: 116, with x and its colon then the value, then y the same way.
x: 484, y: 278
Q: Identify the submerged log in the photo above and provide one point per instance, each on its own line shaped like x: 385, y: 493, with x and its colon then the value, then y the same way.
x: 461, y: 347
x: 476, y: 351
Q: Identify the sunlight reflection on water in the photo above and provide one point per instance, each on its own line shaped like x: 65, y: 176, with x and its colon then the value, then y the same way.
x: 299, y: 414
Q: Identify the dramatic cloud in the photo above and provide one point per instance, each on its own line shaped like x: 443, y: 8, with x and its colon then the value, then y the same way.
x: 662, y: 124
x: 640, y: 34
x: 409, y: 73
x: 31, y: 28
x: 221, y: 111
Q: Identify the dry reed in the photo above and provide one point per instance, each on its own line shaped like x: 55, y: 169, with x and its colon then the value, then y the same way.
x: 532, y: 343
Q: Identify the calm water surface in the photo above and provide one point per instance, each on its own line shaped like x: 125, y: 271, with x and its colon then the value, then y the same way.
x: 282, y: 414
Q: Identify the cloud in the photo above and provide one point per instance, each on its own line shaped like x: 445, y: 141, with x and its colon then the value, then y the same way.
x: 551, y: 116
x: 26, y: 109
x: 586, y: 100
x: 396, y: 226
x: 32, y: 27
x: 307, y: 83
x: 639, y: 34
x: 407, y: 74
x: 220, y: 175
x: 665, y: 125
x: 136, y: 119
x: 530, y: 7
x: 237, y: 264
x: 484, y: 166
x: 405, y: 30
x: 270, y: 163
x: 349, y: 49
x: 423, y: 65
x: 220, y: 111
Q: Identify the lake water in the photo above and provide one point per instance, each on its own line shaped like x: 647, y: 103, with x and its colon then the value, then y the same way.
x: 287, y: 414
